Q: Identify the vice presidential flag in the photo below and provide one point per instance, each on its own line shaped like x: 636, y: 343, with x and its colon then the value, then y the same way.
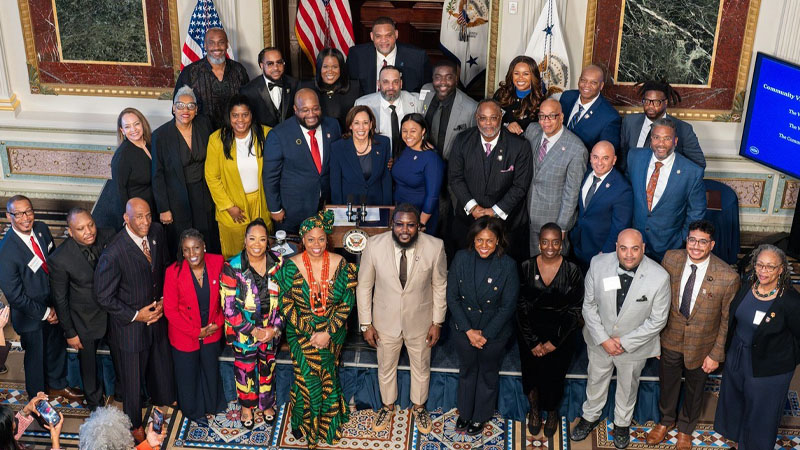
x: 465, y: 36
x: 547, y: 47
x: 203, y: 18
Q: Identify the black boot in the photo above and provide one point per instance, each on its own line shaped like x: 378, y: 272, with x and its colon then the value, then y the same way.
x: 534, y: 418
x: 551, y: 425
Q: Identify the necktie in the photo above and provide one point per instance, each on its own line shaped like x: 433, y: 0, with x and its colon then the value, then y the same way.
x: 647, y: 138
x: 621, y: 271
x: 315, y: 150
x: 403, y: 268
x: 686, y: 300
x: 146, y: 251
x: 575, y: 118
x: 542, y: 150
x: 378, y: 79
x: 90, y: 255
x: 438, y: 128
x: 396, y: 140
x: 488, y: 149
x: 651, y: 185
x: 591, y: 191
x: 38, y: 252
x: 273, y: 85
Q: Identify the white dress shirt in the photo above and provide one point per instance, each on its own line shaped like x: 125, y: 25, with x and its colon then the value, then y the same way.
x: 585, y: 107
x: 409, y: 257
x: 550, y: 141
x: 700, y: 275
x: 472, y: 203
x: 317, y: 137
x: 385, y: 119
x: 274, y: 94
x: 646, y: 129
x: 138, y: 241
x: 663, y: 175
x: 589, y: 182
x: 390, y: 59
x: 247, y: 163
x: 26, y: 238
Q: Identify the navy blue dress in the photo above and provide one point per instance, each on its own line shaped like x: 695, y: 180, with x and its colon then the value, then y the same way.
x: 418, y: 179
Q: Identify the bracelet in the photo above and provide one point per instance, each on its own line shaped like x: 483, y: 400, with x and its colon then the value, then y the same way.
x: 438, y: 325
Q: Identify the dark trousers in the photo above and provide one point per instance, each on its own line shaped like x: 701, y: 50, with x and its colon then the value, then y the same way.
x: 45, y: 359
x: 154, y: 366
x: 546, y: 374
x: 478, y: 377
x: 92, y: 387
x: 670, y: 370
x: 198, y: 381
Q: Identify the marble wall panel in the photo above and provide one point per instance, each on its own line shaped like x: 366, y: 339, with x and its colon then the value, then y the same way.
x: 23, y: 160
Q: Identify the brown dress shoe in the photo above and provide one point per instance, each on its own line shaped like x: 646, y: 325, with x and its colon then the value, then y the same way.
x: 138, y: 435
x: 71, y: 394
x: 657, y: 434
x: 684, y: 441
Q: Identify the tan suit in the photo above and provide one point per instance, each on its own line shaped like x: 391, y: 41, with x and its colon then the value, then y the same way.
x: 685, y: 343
x: 402, y: 315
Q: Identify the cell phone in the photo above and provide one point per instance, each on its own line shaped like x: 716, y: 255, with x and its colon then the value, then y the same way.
x: 158, y: 420
x: 48, y: 413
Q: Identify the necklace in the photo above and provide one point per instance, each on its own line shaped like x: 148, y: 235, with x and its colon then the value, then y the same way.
x: 365, y: 151
x: 318, y: 290
x: 760, y: 295
x: 199, y: 278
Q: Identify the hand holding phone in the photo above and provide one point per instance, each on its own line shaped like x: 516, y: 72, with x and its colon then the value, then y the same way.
x: 158, y: 420
x: 48, y: 413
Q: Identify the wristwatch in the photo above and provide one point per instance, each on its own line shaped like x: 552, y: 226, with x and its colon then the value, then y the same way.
x: 365, y: 326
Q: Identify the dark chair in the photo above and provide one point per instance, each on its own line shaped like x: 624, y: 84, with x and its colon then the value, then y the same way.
x: 723, y: 212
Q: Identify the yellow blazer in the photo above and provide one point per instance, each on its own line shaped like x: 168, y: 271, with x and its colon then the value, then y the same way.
x: 225, y: 183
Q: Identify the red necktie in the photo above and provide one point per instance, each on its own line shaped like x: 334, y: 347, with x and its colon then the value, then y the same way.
x: 39, y: 253
x: 315, y: 150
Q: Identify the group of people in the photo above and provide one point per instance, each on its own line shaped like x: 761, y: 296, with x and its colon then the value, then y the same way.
x: 517, y: 212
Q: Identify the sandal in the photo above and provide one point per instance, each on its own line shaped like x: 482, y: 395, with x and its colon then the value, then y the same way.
x: 249, y: 423
x: 270, y: 418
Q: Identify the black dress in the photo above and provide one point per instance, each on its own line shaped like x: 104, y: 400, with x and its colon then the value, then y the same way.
x: 130, y: 171
x: 548, y: 313
x: 338, y: 104
x: 509, y: 113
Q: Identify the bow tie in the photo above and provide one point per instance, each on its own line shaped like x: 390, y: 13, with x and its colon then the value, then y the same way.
x: 271, y: 85
x: 621, y: 271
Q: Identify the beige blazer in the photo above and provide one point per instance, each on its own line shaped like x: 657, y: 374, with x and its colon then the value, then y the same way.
x: 395, y: 311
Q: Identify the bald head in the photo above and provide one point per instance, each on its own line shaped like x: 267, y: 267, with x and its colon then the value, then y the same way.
x: 137, y: 216
x: 630, y: 248
x: 591, y: 82
x: 306, y: 108
x: 602, y: 158
x: 216, y: 45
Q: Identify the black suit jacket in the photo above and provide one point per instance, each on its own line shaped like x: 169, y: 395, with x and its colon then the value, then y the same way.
x: 27, y: 292
x: 124, y: 282
x: 505, y: 184
x: 413, y: 62
x: 72, y: 287
x: 776, y: 342
x: 169, y: 183
x: 265, y: 111
x: 687, y: 145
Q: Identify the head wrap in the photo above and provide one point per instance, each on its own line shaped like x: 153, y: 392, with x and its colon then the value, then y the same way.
x: 323, y: 219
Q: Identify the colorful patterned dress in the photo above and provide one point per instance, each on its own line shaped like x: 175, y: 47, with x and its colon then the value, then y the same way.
x: 246, y: 306
x: 317, y: 405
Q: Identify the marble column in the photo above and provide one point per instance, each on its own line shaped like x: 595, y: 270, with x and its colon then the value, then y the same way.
x: 787, y: 45
x: 8, y: 99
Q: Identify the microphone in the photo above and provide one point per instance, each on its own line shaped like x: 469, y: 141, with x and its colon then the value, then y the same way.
x: 350, y: 207
x: 363, y: 212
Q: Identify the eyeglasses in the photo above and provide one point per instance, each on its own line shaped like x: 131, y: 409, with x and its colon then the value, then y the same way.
x: 553, y: 116
x: 660, y: 138
x: 410, y: 225
x: 180, y: 106
x: 701, y: 242
x: 766, y: 268
x: 279, y: 62
x: 653, y: 102
x: 17, y: 215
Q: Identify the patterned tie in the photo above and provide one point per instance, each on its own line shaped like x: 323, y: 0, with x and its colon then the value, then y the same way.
x: 542, y: 150
x: 591, y: 191
x: 39, y: 253
x: 575, y: 118
x: 315, y: 150
x: 403, y: 268
x: 146, y: 251
x: 686, y: 300
x: 651, y: 185
x: 488, y: 149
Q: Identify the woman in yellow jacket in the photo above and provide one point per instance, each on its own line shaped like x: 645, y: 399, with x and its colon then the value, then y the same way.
x: 233, y: 173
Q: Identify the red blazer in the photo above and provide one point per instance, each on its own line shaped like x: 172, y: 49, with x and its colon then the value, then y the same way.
x: 180, y: 304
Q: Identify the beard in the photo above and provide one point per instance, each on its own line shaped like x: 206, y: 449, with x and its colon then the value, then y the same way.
x: 405, y: 244
x: 214, y: 60
x: 390, y: 97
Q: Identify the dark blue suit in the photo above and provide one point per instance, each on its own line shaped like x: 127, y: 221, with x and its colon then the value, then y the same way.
x: 347, y: 178
x: 291, y: 180
x: 602, y: 124
x: 413, y: 63
x: 28, y: 295
x: 124, y: 283
x: 683, y: 202
x: 609, y: 212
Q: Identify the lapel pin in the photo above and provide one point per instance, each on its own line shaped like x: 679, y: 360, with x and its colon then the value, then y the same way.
x: 377, y: 153
x: 40, y: 234
x: 415, y: 157
x: 704, y: 291
x: 154, y: 242
x: 772, y: 314
x: 608, y: 185
x: 563, y: 149
x: 495, y: 288
x: 767, y: 319
x: 297, y: 142
x: 500, y: 157
x: 328, y: 135
x: 678, y: 172
x: 536, y: 277
x: 489, y: 280
x: 710, y: 278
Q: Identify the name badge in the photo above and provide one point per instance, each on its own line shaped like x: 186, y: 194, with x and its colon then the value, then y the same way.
x: 34, y: 264
x: 423, y: 94
x: 758, y: 317
x: 611, y: 284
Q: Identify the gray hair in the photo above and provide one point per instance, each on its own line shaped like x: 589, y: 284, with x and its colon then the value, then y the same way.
x: 107, y: 428
x: 783, y: 280
x: 184, y: 90
x: 664, y: 122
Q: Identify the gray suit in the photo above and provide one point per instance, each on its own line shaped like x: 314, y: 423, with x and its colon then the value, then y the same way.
x: 638, y: 324
x: 556, y: 184
x: 409, y: 102
x: 688, y: 145
x: 462, y: 115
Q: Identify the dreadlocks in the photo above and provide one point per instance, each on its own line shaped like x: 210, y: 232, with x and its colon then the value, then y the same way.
x: 672, y: 96
x: 783, y: 279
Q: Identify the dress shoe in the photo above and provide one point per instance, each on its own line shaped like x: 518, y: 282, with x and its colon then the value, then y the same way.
x: 201, y: 421
x: 622, y: 436
x: 69, y: 393
x: 684, y: 441
x: 297, y: 434
x: 534, y: 422
x: 475, y: 428
x: 658, y: 433
x: 3, y: 370
x: 551, y: 425
x: 138, y: 435
x: 582, y: 429
x: 461, y: 424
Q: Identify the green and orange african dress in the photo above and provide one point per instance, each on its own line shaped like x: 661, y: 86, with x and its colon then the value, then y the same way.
x: 317, y: 405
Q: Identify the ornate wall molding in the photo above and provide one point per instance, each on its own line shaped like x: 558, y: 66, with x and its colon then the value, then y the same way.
x: 55, y: 162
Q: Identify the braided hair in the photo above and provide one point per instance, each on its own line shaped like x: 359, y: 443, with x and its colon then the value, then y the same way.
x: 783, y: 279
x: 672, y: 95
x: 189, y: 233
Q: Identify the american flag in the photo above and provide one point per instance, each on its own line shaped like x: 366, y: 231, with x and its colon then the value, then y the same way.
x: 323, y: 23
x: 204, y: 17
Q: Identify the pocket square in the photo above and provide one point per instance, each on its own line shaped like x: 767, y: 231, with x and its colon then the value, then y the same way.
x: 642, y: 299
x: 460, y: 127
x: 510, y: 169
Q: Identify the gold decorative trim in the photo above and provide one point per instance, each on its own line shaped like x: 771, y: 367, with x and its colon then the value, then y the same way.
x: 494, y: 34
x: 266, y: 21
x: 10, y: 151
x: 754, y: 181
x: 790, y: 194
x: 11, y: 104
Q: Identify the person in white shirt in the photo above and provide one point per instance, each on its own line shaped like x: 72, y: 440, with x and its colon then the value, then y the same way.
x: 271, y: 93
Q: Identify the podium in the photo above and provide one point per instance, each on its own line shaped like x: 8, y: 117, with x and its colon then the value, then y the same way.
x: 378, y: 219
